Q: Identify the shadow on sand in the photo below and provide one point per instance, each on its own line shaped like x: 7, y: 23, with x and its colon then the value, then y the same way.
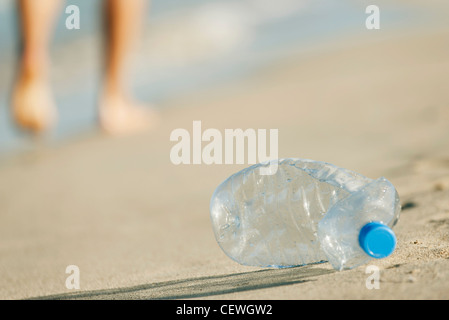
x: 202, y: 286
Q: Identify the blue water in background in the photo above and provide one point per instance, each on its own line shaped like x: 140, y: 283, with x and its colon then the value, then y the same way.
x: 269, y: 40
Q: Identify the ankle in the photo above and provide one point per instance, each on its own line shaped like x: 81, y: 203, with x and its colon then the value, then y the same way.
x: 114, y: 96
x: 34, y: 67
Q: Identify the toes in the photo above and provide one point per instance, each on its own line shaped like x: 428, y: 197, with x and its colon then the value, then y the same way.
x: 127, y: 120
x: 33, y: 108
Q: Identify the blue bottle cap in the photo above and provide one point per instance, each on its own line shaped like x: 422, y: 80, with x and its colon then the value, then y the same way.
x: 377, y: 240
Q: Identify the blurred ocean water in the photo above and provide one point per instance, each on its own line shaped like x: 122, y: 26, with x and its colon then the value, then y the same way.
x: 188, y: 46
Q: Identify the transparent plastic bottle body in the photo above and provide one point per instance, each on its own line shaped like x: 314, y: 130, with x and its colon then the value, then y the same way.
x: 307, y: 212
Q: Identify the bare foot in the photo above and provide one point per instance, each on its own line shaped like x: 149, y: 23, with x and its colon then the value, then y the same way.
x: 120, y: 116
x: 33, y: 105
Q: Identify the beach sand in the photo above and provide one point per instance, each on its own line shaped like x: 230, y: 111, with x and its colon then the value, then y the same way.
x: 138, y: 226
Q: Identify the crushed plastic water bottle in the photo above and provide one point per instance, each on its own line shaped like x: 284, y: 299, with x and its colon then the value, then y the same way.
x: 307, y: 212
